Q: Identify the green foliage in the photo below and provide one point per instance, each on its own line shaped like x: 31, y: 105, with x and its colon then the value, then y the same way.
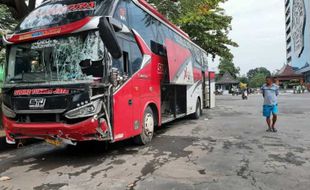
x: 169, y: 8
x: 7, y: 22
x: 257, y: 76
x: 244, y: 79
x: 261, y: 70
x: 2, y: 56
x: 257, y: 81
x: 204, y: 21
x: 226, y: 65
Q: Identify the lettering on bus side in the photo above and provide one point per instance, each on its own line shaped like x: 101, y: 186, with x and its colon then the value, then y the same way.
x: 81, y: 6
x: 160, y: 68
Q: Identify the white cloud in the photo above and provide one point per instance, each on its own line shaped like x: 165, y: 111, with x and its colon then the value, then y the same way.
x: 259, y: 29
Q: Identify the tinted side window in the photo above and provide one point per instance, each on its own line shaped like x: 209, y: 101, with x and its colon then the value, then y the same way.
x: 104, y: 7
x: 121, y: 12
x: 122, y: 64
x: 166, y: 32
x: 136, y: 58
x: 160, y: 35
x: 198, y: 57
x: 142, y: 22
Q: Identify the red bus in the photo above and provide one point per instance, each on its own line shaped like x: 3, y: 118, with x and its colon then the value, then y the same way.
x: 103, y: 70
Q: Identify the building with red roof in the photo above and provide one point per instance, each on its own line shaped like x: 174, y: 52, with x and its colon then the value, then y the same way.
x: 288, y: 77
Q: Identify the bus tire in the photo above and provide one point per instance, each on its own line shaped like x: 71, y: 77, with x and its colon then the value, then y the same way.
x: 198, y: 111
x: 147, y: 128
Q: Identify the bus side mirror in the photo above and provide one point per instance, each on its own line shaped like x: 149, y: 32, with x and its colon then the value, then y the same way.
x: 117, y: 25
x: 107, y: 34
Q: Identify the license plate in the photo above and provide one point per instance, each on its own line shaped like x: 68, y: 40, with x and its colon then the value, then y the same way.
x: 53, y: 142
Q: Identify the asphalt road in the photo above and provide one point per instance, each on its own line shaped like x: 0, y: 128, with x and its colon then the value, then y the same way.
x: 227, y: 149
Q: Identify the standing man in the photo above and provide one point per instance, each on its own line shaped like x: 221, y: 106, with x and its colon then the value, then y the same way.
x: 270, y: 93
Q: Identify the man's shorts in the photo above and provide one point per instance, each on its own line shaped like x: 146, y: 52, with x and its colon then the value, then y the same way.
x: 270, y: 109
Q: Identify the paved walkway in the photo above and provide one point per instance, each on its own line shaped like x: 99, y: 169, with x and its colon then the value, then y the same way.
x: 227, y: 149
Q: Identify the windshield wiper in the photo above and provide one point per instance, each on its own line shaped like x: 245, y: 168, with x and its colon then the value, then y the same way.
x: 19, y: 80
x: 22, y: 81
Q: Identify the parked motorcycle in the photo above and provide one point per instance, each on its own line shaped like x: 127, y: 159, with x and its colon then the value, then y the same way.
x: 244, y: 95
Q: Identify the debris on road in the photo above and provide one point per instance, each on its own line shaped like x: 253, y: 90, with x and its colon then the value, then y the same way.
x: 5, y: 178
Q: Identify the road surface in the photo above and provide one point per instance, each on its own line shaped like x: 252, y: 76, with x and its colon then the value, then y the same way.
x: 227, y: 148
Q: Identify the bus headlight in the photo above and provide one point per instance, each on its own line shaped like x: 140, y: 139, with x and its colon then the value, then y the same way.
x: 8, y: 112
x: 87, y: 110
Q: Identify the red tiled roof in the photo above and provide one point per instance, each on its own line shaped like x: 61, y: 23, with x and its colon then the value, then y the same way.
x: 287, y: 70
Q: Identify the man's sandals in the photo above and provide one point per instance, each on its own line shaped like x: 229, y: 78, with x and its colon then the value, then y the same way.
x: 272, y: 130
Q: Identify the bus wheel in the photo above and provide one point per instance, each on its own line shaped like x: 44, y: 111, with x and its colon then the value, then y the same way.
x: 148, y: 128
x: 198, y: 112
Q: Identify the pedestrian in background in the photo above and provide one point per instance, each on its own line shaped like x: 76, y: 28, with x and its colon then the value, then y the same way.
x: 270, y: 93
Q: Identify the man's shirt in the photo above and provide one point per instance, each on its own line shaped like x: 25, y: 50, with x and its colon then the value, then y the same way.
x: 270, y: 94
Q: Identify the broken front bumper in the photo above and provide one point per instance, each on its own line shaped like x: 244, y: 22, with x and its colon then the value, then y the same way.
x: 90, y: 129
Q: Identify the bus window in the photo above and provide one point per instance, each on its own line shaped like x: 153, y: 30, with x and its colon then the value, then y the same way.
x: 104, y: 7
x: 126, y: 62
x: 121, y: 12
x: 57, y: 13
x: 123, y: 64
x: 165, y: 31
x: 24, y: 62
x: 144, y: 23
x: 198, y: 56
x: 136, y: 57
x: 160, y: 36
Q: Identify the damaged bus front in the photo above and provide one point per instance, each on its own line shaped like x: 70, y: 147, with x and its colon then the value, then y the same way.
x: 59, y: 79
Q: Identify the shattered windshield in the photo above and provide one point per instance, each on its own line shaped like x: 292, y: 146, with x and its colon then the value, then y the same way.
x: 60, y: 12
x: 80, y: 57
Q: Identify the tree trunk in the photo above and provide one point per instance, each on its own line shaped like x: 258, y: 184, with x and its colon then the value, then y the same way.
x: 32, y: 5
x: 22, y: 9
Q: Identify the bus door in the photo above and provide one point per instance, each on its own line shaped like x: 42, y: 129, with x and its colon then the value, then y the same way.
x: 180, y: 71
x: 138, y: 88
x: 128, y: 107
x: 123, y: 97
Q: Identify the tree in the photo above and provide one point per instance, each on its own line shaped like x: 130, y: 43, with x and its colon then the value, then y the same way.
x: 204, y: 21
x: 257, y: 81
x: 7, y: 22
x: 170, y: 9
x: 19, y: 8
x: 226, y: 65
x: 244, y: 79
x: 260, y: 70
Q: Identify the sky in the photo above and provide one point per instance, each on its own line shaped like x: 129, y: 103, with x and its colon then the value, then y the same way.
x: 259, y: 29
